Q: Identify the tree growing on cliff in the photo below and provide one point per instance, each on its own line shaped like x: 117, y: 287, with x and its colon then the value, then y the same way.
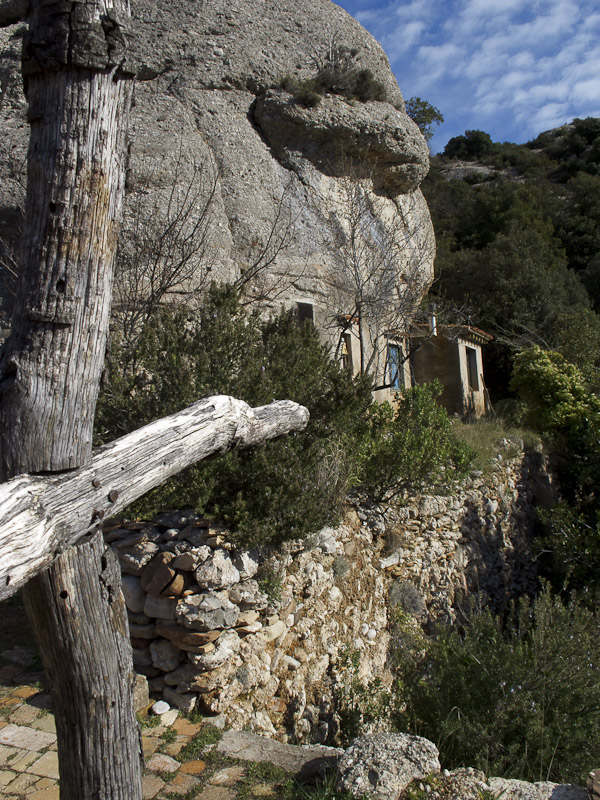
x: 425, y: 115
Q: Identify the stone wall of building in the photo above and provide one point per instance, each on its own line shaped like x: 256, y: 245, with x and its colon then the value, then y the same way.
x: 264, y: 641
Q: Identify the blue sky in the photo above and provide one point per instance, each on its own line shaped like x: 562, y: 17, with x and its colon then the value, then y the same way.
x: 513, y: 68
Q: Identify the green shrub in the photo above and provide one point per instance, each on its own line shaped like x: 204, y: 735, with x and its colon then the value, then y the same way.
x: 336, y: 74
x: 269, y: 582
x: 280, y: 490
x: 304, y: 91
x: 519, y: 700
x: 558, y: 400
x: 559, y: 403
x: 412, y: 447
x: 352, y: 83
x: 358, y: 704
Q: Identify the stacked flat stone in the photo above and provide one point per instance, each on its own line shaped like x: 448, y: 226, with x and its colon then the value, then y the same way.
x: 207, y: 637
x: 475, y: 540
x: 191, y: 599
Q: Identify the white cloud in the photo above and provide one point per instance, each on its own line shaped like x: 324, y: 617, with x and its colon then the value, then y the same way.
x: 548, y: 116
x: 511, y: 67
x: 587, y: 92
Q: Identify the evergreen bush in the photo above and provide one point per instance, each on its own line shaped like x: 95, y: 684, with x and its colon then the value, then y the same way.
x: 283, y: 489
x: 412, y: 447
x: 287, y: 488
x: 559, y: 403
x: 518, y: 700
x: 338, y: 74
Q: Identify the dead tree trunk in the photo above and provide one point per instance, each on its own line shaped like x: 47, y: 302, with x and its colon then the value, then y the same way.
x: 78, y: 95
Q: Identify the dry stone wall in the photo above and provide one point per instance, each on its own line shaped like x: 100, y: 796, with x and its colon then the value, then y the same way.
x: 263, y: 641
x: 475, y: 541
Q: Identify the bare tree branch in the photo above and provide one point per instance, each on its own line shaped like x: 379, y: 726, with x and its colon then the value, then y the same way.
x: 165, y: 247
x: 256, y: 283
x: 383, y: 266
x: 40, y: 516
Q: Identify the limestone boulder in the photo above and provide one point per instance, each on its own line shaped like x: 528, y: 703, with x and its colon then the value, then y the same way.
x: 185, y: 639
x: 207, y: 612
x: 141, y: 696
x: 511, y: 789
x: 189, y: 560
x: 384, y: 764
x: 246, y: 562
x: 134, y: 557
x: 189, y: 678
x: 217, y: 572
x: 160, y: 607
x: 158, y: 574
x: 305, y: 762
x: 385, y: 141
x: 184, y: 701
x: 208, y: 114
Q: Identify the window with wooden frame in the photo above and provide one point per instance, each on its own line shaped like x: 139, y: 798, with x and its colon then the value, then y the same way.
x: 395, y: 367
x: 472, y: 371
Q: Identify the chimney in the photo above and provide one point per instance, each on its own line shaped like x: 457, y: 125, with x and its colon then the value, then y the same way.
x: 433, y: 321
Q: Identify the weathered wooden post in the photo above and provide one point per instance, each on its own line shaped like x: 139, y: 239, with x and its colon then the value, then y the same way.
x: 79, y: 90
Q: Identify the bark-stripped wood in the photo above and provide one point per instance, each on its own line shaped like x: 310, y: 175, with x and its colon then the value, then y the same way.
x: 100, y: 691
x: 43, y: 515
x: 51, y: 365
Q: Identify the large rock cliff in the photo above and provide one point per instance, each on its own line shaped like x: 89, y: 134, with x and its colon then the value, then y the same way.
x: 211, y: 121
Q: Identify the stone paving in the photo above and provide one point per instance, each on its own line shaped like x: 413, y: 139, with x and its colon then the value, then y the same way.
x: 182, y: 760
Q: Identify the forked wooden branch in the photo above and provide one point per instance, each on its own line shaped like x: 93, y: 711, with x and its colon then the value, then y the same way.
x: 42, y: 515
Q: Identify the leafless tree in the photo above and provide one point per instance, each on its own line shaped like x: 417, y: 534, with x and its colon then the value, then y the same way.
x: 382, y: 268
x: 165, y: 253
x: 335, y: 57
x: 257, y: 283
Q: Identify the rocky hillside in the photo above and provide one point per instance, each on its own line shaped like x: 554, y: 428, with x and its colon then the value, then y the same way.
x: 256, y: 175
x: 515, y: 222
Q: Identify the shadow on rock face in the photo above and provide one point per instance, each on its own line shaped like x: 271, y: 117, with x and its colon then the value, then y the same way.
x: 385, y: 141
